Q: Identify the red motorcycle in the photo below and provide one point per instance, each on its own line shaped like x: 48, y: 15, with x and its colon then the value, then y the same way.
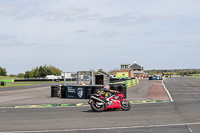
x: 99, y: 103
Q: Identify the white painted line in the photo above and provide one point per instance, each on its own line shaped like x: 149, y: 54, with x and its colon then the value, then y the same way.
x: 106, y: 128
x: 167, y: 91
x: 185, y: 93
x: 190, y: 130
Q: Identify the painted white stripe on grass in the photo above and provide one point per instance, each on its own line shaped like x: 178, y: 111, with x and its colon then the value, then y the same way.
x: 167, y: 91
x: 106, y: 128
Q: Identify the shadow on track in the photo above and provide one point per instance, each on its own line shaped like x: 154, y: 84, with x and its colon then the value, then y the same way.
x: 107, y: 110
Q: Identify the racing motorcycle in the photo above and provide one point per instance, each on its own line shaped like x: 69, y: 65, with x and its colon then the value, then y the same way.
x: 99, y: 102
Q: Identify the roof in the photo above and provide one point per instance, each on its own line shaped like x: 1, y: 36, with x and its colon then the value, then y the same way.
x: 102, y: 73
x: 136, y: 66
x: 138, y: 72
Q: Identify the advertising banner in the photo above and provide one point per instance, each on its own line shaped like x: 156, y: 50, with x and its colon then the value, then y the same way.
x: 76, y: 92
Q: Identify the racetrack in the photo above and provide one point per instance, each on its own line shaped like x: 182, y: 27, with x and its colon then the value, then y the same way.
x: 180, y: 116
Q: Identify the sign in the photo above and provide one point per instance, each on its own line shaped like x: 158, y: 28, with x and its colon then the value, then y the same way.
x: 76, y: 92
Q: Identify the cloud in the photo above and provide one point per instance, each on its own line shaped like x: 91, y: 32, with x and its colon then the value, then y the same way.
x: 12, y: 41
x: 109, y: 34
x: 130, y: 19
x: 70, y: 11
x: 120, y: 20
x: 5, y: 37
x: 81, y: 31
x: 5, y: 8
x: 24, y: 11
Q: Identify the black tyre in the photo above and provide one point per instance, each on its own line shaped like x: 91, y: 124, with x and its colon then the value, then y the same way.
x: 63, y: 92
x: 124, y: 92
x: 126, y: 106
x: 54, y: 94
x: 54, y: 91
x: 114, y: 87
x: 97, y: 108
x: 88, y: 89
x: 122, y: 88
x: 2, y: 83
x: 95, y: 89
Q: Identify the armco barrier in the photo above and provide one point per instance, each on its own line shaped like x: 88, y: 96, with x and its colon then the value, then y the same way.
x: 122, y: 86
x: 79, y: 91
x: 83, y: 91
x: 129, y: 83
x: 7, y: 80
x: 27, y: 80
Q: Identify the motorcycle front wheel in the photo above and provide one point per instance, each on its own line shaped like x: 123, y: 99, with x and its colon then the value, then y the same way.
x: 97, y: 108
x: 125, y: 105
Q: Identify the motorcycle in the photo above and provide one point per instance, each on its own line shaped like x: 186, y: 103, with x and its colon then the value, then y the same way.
x: 99, y: 102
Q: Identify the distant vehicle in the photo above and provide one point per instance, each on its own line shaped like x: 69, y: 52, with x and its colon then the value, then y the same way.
x: 53, y: 77
x: 155, y: 77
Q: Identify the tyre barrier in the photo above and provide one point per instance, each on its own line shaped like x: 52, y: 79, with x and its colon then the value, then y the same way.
x: 2, y: 83
x: 114, y: 87
x: 119, y: 87
x: 54, y: 91
x: 96, y: 88
x: 88, y: 91
x: 63, y: 92
x: 123, y: 90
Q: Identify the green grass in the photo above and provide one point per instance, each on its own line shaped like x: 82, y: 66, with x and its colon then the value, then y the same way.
x: 194, y: 76
x: 6, y: 78
x: 16, y: 85
x: 11, y: 78
x: 44, y: 82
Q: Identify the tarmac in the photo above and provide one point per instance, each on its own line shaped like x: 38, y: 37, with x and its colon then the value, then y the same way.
x: 147, y: 91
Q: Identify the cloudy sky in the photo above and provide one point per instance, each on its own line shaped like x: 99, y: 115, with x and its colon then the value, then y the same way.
x: 78, y: 35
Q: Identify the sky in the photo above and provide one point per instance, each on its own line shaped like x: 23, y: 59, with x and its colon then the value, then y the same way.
x: 76, y: 35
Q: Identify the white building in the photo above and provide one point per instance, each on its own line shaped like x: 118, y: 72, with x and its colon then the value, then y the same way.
x: 53, y: 77
x: 67, y: 75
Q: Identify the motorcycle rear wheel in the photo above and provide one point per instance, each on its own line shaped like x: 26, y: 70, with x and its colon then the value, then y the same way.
x: 126, y: 106
x: 97, y: 108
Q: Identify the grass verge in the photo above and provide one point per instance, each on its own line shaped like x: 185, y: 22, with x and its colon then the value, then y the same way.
x: 16, y: 85
x: 193, y: 76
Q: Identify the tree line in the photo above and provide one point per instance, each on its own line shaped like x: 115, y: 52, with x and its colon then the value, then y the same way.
x: 42, y: 72
x: 186, y: 72
x: 3, y: 72
x: 37, y: 72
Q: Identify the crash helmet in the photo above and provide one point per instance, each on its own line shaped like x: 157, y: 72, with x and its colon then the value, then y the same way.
x: 107, y: 88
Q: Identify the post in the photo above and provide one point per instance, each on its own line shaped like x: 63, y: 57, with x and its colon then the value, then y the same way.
x: 77, y: 78
x: 64, y: 80
x: 92, y: 78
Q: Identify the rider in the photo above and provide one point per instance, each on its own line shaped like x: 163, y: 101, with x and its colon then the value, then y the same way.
x: 107, y: 92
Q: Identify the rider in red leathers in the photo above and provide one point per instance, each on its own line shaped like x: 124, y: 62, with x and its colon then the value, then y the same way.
x: 106, y: 92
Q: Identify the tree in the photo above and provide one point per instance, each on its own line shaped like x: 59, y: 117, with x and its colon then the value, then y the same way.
x: 28, y: 74
x: 36, y: 72
x: 42, y: 71
x: 20, y: 75
x: 3, y: 72
x: 54, y: 70
x: 12, y: 75
x: 101, y: 70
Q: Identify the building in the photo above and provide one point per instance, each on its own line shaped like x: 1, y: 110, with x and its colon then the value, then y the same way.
x: 138, y: 70
x: 101, y: 78
x: 130, y: 71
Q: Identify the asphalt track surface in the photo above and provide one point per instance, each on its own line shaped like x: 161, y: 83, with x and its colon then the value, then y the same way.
x: 180, y: 116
